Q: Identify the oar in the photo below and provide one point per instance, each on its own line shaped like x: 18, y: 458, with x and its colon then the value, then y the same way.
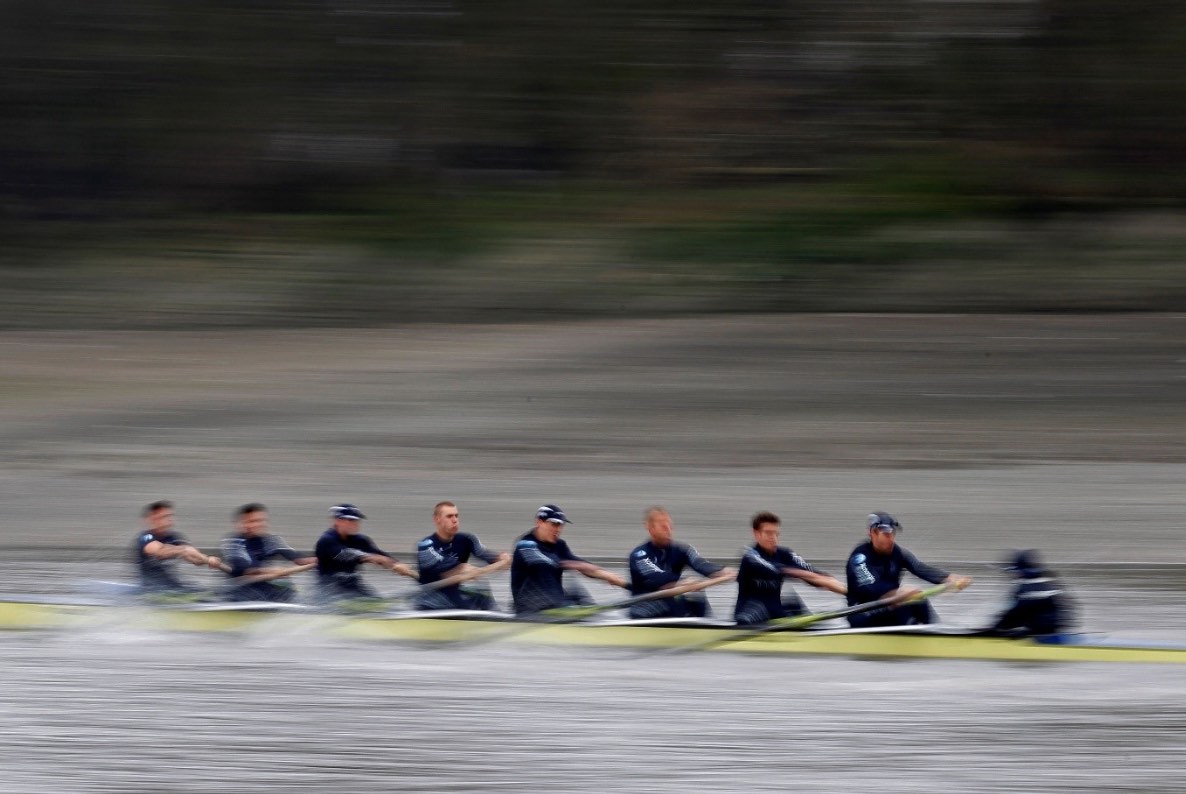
x: 803, y: 621
x: 581, y: 611
x: 362, y: 605
x: 576, y: 613
x: 269, y: 575
x: 441, y: 584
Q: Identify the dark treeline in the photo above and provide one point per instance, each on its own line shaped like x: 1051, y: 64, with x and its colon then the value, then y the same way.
x: 134, y: 109
x: 258, y: 105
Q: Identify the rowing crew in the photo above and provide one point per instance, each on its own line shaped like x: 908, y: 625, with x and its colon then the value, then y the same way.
x: 448, y: 580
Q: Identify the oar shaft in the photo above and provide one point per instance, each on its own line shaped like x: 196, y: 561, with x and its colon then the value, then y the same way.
x: 803, y: 621
x: 440, y: 584
x: 267, y: 576
x: 569, y: 614
x: 500, y: 565
x: 856, y: 609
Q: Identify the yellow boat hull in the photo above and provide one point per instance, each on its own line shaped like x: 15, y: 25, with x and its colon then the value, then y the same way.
x: 910, y: 643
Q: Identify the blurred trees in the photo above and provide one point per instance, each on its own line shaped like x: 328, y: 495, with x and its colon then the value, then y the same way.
x: 130, y: 104
x: 849, y: 118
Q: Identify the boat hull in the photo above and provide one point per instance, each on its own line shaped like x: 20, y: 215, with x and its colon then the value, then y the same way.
x: 671, y: 635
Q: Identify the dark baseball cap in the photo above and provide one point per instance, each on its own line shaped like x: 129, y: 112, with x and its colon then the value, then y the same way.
x: 883, y: 521
x: 1025, y: 562
x: 346, y: 511
x: 552, y: 514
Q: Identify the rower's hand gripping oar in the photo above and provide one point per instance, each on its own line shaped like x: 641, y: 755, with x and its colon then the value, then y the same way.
x: 368, y: 605
x: 803, y: 621
x: 269, y: 575
x: 441, y: 584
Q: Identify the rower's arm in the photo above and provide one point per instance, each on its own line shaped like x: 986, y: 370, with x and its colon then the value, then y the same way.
x: 391, y: 564
x: 702, y: 565
x: 187, y: 552
x: 483, y: 553
x: 234, y: 553
x: 276, y: 547
x: 594, y: 572
x: 404, y: 570
x: 609, y: 576
x: 816, y: 579
x: 923, y: 571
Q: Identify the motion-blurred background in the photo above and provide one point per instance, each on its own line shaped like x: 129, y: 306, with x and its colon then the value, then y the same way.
x: 255, y: 163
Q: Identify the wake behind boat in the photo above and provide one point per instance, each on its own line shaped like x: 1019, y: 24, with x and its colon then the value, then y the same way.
x: 451, y: 627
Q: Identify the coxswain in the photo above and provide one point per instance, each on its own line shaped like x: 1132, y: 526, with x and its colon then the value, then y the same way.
x: 1040, y: 606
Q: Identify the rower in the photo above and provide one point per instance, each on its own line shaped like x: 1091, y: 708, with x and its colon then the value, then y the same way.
x: 659, y: 563
x: 247, y: 550
x: 539, y: 562
x: 874, y: 572
x: 763, y: 569
x: 159, y: 546
x: 1039, y: 607
x: 446, y: 553
x: 341, y: 549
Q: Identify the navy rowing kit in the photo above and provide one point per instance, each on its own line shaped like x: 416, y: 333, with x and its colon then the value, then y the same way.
x: 436, y: 556
x: 1039, y: 607
x: 243, y: 553
x: 158, y: 575
x: 871, y: 576
x: 338, y: 558
x: 537, y: 578
x: 654, y: 567
x: 759, y: 585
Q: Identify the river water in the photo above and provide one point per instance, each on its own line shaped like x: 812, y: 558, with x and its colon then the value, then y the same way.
x: 122, y: 710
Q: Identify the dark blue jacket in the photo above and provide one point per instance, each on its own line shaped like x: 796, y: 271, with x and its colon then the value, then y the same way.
x: 242, y: 553
x: 1039, y: 606
x: 536, y: 575
x: 654, y: 567
x: 760, y: 576
x: 158, y: 574
x: 871, y: 575
x: 342, y: 555
x: 436, y: 556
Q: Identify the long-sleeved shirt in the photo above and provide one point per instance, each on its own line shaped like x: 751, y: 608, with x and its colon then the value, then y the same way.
x: 654, y: 567
x: 871, y: 575
x: 342, y: 555
x: 243, y: 553
x: 157, y: 574
x: 761, y: 573
x: 537, y: 578
x: 435, y: 556
x: 1039, y: 606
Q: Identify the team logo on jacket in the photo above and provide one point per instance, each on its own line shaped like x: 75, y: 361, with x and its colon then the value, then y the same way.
x: 640, y: 553
x: 858, y: 559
